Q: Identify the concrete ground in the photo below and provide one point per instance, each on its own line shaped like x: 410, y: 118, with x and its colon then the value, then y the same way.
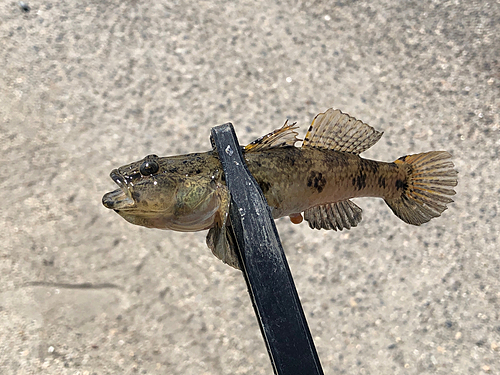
x: 87, y: 86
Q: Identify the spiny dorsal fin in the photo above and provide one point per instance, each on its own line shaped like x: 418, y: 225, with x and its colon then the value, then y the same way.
x: 338, y: 131
x: 340, y: 215
x: 285, y: 136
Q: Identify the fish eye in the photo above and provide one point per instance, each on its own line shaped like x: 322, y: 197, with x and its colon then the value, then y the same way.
x: 149, y: 167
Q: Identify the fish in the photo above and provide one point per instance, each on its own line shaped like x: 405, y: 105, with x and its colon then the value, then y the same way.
x: 314, y: 182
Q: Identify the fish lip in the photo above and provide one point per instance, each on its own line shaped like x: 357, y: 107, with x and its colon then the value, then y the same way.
x: 118, y: 179
x: 121, y: 198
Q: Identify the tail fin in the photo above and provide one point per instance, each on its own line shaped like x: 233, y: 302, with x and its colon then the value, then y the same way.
x: 431, y: 176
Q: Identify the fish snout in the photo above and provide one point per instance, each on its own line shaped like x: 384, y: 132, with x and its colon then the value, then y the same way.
x: 120, y: 198
x: 116, y: 200
x: 108, y: 201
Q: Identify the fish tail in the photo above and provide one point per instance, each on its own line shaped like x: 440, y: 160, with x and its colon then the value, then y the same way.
x: 430, y: 179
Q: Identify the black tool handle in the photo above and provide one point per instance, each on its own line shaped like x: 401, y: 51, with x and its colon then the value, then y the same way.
x: 264, y: 265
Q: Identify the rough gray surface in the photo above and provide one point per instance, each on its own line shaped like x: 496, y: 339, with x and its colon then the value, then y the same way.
x: 86, y: 86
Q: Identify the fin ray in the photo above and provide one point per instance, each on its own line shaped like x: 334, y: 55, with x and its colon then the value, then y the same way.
x: 336, y: 216
x: 282, y: 137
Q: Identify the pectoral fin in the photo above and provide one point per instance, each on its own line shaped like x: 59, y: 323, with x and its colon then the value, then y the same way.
x: 334, y: 216
x: 220, y: 239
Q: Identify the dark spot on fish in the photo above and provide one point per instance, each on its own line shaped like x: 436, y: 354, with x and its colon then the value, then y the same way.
x: 359, y: 181
x: 316, y: 180
x: 136, y: 195
x: 381, y: 181
x: 401, y: 185
x: 198, y: 171
x: 257, y: 163
x: 264, y: 186
x: 290, y: 160
x: 370, y: 166
x: 403, y: 158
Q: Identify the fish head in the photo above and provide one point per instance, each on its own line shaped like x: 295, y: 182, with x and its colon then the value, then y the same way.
x: 145, y: 194
x: 154, y: 193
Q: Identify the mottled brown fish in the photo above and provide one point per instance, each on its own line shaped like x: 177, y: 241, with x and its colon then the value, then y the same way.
x: 188, y: 192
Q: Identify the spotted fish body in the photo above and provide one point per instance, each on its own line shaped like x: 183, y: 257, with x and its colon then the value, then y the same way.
x: 297, y: 179
x: 188, y: 192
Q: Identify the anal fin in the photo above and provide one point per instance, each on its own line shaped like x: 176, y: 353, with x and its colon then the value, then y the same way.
x: 336, y: 216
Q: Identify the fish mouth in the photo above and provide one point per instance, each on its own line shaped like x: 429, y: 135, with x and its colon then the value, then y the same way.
x: 121, y: 198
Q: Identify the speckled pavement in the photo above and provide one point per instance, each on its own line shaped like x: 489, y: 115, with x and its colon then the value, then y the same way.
x: 87, y: 86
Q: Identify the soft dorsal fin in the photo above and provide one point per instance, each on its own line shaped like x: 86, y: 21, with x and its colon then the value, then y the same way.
x: 285, y: 136
x: 338, y: 131
x: 339, y: 215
